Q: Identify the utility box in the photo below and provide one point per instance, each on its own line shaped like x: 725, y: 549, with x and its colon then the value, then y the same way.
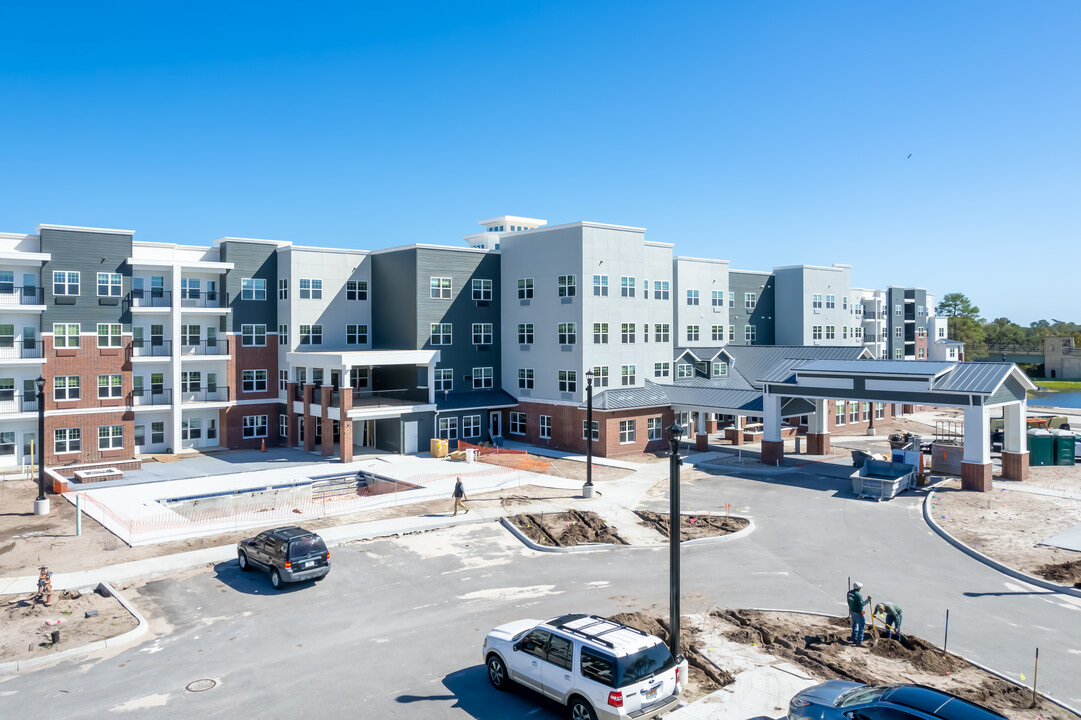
x: 1064, y: 447
x: 1041, y: 448
x: 946, y: 458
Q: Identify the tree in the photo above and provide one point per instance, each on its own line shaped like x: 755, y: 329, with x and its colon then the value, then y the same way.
x: 1003, y: 332
x: 957, y: 305
x: 964, y: 323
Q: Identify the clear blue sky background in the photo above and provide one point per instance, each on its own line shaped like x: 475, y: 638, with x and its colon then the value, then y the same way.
x: 765, y: 133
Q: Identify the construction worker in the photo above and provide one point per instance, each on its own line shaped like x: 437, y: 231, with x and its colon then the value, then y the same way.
x: 892, y: 611
x: 856, y: 603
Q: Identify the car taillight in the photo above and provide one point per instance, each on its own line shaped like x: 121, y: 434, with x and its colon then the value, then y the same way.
x: 328, y: 555
x: 677, y: 674
x: 615, y: 699
x: 288, y: 565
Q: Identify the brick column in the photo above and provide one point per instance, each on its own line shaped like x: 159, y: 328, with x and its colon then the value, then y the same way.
x: 327, y: 445
x: 1015, y: 465
x: 976, y: 476
x: 292, y: 436
x: 345, y: 444
x: 223, y: 428
x: 818, y: 443
x: 772, y: 451
x: 309, y: 422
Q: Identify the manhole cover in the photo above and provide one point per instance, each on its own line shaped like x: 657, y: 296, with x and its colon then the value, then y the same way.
x: 201, y: 685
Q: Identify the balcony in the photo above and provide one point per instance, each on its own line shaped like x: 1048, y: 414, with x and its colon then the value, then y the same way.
x: 12, y: 403
x: 24, y: 295
x: 194, y: 299
x: 378, y: 398
x: 150, y: 298
x: 217, y: 346
x: 151, y: 348
x: 11, y: 349
x: 151, y: 396
x: 218, y: 393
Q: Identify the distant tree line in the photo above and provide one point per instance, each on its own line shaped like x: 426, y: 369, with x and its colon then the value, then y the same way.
x: 966, y: 325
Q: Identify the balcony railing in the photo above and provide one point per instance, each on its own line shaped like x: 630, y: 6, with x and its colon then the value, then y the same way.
x: 151, y: 348
x: 151, y: 298
x: 24, y: 295
x: 151, y: 396
x: 218, y: 393
x: 375, y: 398
x: 11, y: 349
x: 215, y: 299
x: 12, y: 403
x: 218, y: 346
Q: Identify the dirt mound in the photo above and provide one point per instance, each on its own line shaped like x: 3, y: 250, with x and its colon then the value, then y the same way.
x: 26, y: 625
x: 705, y: 676
x: 1064, y: 573
x: 566, y: 529
x: 692, y: 527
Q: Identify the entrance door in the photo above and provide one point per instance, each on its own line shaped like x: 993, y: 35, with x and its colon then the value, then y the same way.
x: 364, y: 433
x: 493, y: 424
x: 409, y: 433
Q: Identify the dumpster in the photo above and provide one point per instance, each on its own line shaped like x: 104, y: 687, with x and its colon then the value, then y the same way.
x: 882, y: 480
x: 1041, y: 448
x: 439, y: 447
x: 1064, y: 446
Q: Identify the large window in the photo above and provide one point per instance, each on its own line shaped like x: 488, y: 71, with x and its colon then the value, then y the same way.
x: 525, y: 288
x: 596, y: 434
x: 66, y: 440
x: 482, y: 333
x: 692, y: 297
x: 566, y: 285
x: 283, y: 289
x: 717, y: 333
x: 448, y: 428
x: 471, y: 426
x: 568, y: 333
x: 718, y: 298
x: 255, y: 288
x: 110, y: 437
x: 600, y: 285
x: 356, y: 334
x: 483, y: 378
x: 661, y: 332
x: 157, y: 433
x: 253, y: 335
x: 568, y: 381
x: 525, y: 333
x: 750, y: 301
x: 838, y: 413
x: 816, y: 301
x: 662, y: 369
x: 65, y: 283
x: 311, y: 334
x: 831, y: 302
x: 254, y: 426
x: 626, y: 431
x: 626, y: 373
x: 750, y: 333
x: 311, y: 289
x: 525, y: 378
x: 517, y: 423
x: 720, y: 368
x: 600, y: 376
x: 692, y: 333
x: 109, y: 386
x: 66, y: 335
x: 831, y: 332
x: 356, y: 290
x: 653, y: 428
x: 626, y: 286
x: 660, y: 289
x: 440, y: 288
x: 600, y: 333
x: 444, y: 379
x: 109, y: 334
x: 254, y: 380
x: 627, y: 332
x: 442, y: 333
x: 482, y: 290
x: 684, y: 370
x: 109, y: 284
x: 546, y: 427
x: 66, y: 387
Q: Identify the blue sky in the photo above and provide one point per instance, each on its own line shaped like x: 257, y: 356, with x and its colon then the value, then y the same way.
x: 763, y: 133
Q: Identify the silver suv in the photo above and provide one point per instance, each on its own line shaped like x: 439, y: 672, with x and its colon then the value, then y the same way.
x: 598, y: 668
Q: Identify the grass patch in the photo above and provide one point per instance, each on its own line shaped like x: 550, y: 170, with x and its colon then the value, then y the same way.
x: 1058, y: 384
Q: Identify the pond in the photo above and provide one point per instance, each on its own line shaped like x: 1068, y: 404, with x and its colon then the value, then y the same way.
x: 1057, y: 399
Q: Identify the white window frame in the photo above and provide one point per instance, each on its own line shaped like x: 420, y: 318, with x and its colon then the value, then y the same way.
x: 568, y: 381
x: 114, y: 335
x: 448, y: 428
x: 67, y: 388
x: 684, y: 370
x: 356, y: 334
x: 66, y: 283
x: 693, y: 333
x: 567, y: 333
x: 482, y: 333
x: 600, y: 333
x: 628, y: 431
x: 692, y: 297
x: 517, y: 423
x: 440, y: 288
x: 662, y: 332
x: 112, y: 438
x: 283, y: 289
x: 525, y: 288
x: 356, y: 290
x: 112, y: 283
x: 483, y: 378
x: 662, y: 369
x: 626, y: 286
x: 596, y: 430
x: 627, y: 375
x: 253, y: 381
x: 566, y: 285
x: 253, y: 426
x: 441, y: 334
x: 750, y: 333
x: 470, y: 426
x: 526, y: 378
x: 546, y: 427
x: 253, y: 289
x: 65, y: 335
x: 112, y: 388
x: 444, y: 379
x: 525, y: 333
x: 600, y: 285
x: 654, y: 431
x: 250, y: 333
x: 750, y: 301
x: 482, y: 290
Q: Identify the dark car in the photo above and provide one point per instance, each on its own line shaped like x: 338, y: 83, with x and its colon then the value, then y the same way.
x: 290, y: 554
x: 841, y: 700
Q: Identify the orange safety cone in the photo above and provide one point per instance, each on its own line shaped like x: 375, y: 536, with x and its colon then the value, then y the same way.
x: 263, y: 448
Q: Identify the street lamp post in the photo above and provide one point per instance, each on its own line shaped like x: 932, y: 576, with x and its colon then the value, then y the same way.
x: 41, y: 505
x: 675, y: 433
x: 587, y: 489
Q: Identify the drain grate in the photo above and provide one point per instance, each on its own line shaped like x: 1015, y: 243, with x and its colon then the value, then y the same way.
x: 201, y: 685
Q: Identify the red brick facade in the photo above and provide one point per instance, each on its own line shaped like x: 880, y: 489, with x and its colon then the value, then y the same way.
x: 567, y: 423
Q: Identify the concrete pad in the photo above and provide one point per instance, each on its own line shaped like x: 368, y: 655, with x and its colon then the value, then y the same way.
x: 1068, y: 539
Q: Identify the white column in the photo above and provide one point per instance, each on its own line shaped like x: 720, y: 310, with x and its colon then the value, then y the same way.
x: 1015, y: 429
x: 431, y: 383
x: 818, y: 423
x: 977, y: 435
x: 176, y: 364
x: 701, y: 422
x: 771, y: 407
x: 739, y: 423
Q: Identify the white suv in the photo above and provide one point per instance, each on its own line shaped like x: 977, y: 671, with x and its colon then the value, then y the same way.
x: 598, y: 668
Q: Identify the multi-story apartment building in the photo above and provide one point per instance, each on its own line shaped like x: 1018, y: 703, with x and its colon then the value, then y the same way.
x: 814, y: 306
x: 751, y: 307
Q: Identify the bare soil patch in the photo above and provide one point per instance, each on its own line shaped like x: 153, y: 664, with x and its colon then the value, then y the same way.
x: 1064, y: 573
x: 24, y: 633
x: 820, y: 645
x: 571, y: 469
x: 566, y: 529
x: 692, y: 527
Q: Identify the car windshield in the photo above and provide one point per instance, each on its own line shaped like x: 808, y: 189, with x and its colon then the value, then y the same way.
x: 859, y: 696
x: 303, y: 547
x: 642, y: 664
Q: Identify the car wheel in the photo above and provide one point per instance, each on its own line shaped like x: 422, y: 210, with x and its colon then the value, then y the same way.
x: 242, y: 560
x: 581, y: 710
x: 276, y: 579
x: 497, y: 673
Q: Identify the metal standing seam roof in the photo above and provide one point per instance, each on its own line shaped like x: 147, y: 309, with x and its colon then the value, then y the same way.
x: 650, y: 395
x: 702, y: 353
x: 755, y: 361
x: 978, y: 378
x: 473, y: 400
x: 922, y: 368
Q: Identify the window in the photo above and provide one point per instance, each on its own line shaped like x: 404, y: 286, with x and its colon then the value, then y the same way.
x: 627, y: 330
x: 853, y: 412
x: 838, y: 413
x: 600, y: 333
x: 66, y: 335
x: 692, y: 333
x: 857, y: 307
x: 627, y: 374
x: 109, y: 386
x: 941, y: 331
x: 483, y: 378
x: 283, y: 425
x: 831, y: 302
x: 482, y: 290
x: 898, y: 354
x: 283, y: 334
x: 732, y: 333
x: 692, y: 297
x: 844, y: 303
x: 626, y: 431
x: 731, y: 299
x: 440, y: 288
x: 750, y: 333
x: 311, y: 289
x: 920, y: 353
x: 750, y: 301
x: 254, y: 380
x: 444, y: 379
x: 653, y: 428
x: 356, y: 334
x: 597, y: 667
x: 661, y: 332
x: 880, y: 411
x: 816, y: 301
x: 718, y: 333
x: 921, y: 332
x: 311, y: 334
x: 109, y: 284
x: 899, y: 333
x: 66, y: 440
x: 66, y: 387
x: 482, y: 333
x: 448, y: 428
x: 626, y: 286
x: 525, y: 333
x: 831, y: 332
x: 525, y: 378
x: 661, y: 370
x: 442, y: 333
x: 660, y: 289
x: 857, y: 332
x: 157, y: 433
x: 517, y: 423
x: 109, y: 335
x: 566, y: 286
x: 596, y: 434
x: 600, y: 285
x: 525, y: 288
x: 720, y: 369
x: 110, y: 437
x: 65, y: 283
x: 471, y: 426
x: 255, y: 288
x: 600, y: 376
x: 568, y: 381
x: 718, y: 298
x: 283, y: 380
x: 568, y: 333
x: 897, y: 310
x: 358, y: 290
x: 253, y: 335
x: 684, y: 370
x: 921, y: 311
x: 254, y: 426
x: 546, y: 426
x: 816, y: 332
x: 283, y: 289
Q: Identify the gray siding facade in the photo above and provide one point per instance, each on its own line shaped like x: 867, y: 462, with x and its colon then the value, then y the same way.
x: 251, y: 260
x: 393, y: 293
x: 764, y: 314
x: 87, y: 253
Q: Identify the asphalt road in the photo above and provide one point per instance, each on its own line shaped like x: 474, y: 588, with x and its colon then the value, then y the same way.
x: 395, y: 630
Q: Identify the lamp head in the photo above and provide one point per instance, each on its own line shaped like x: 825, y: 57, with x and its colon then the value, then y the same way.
x: 40, y: 382
x: 675, y: 433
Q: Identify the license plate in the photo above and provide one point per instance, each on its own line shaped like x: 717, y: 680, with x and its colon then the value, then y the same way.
x: 309, y: 564
x: 651, y: 694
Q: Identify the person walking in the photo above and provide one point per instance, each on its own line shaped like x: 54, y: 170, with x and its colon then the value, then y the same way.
x: 459, y: 496
x: 892, y: 611
x: 856, y: 603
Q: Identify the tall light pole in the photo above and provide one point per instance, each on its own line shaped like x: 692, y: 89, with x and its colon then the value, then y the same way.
x: 675, y: 433
x: 587, y: 489
x: 41, y: 505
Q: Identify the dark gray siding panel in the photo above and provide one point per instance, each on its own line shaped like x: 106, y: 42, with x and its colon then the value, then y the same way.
x: 389, y: 432
x: 251, y: 260
x: 763, y: 317
x: 394, y: 304
x: 88, y: 253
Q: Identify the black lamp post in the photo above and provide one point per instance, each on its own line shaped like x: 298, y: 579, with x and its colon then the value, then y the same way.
x: 41, y: 505
x: 587, y: 490
x: 675, y: 434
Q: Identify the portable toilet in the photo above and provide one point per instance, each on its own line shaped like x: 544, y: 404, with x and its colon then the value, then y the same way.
x: 1041, y: 448
x: 1064, y: 447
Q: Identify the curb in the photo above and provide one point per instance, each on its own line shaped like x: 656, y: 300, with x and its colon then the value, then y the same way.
x: 18, y: 666
x: 1016, y: 574
x: 544, y: 548
x: 720, y: 538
